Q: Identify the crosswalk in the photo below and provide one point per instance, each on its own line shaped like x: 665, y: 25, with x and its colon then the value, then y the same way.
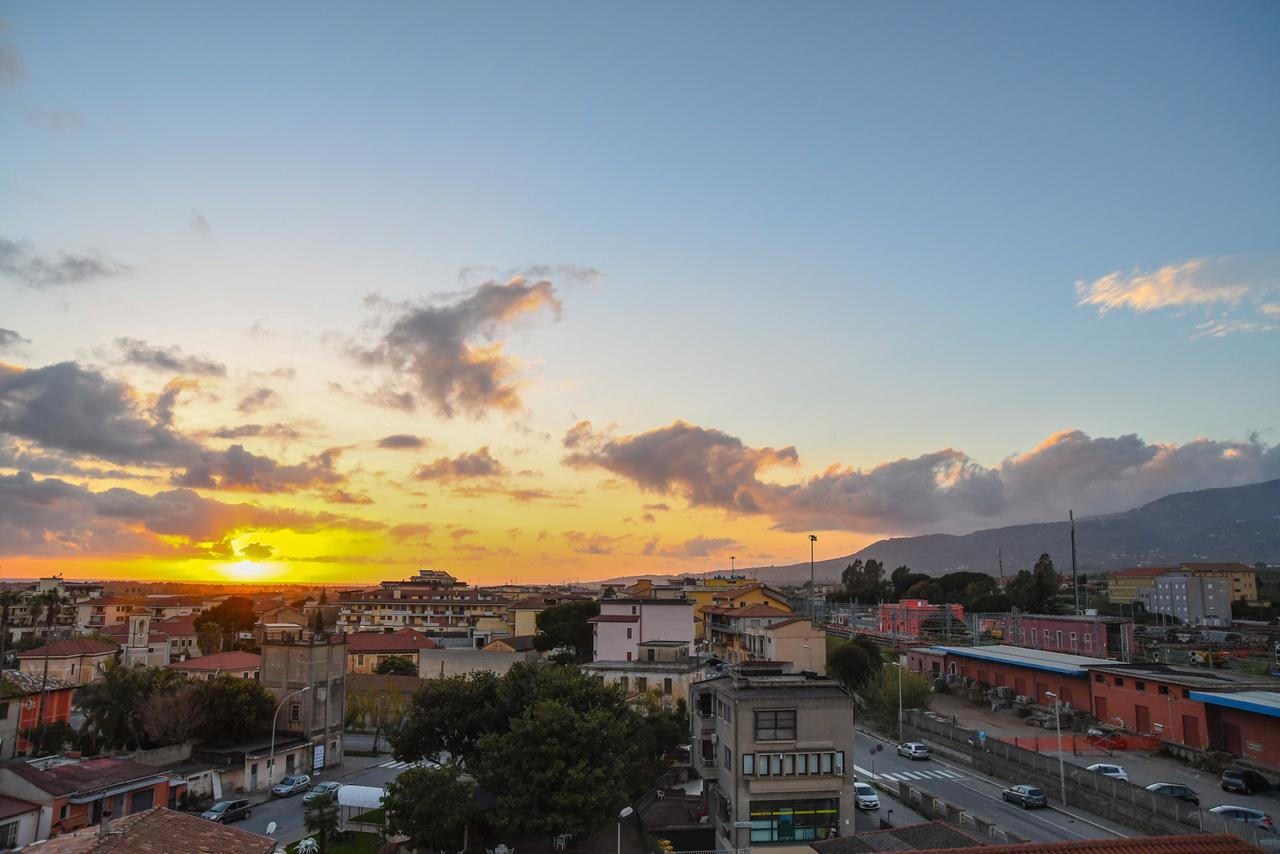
x: 903, y: 776
x: 400, y: 766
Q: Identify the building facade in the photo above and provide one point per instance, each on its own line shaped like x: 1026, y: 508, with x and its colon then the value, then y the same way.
x: 623, y: 624
x: 1194, y: 599
x: 1125, y: 586
x: 20, y: 710
x: 431, y: 599
x: 367, y: 650
x: 78, y: 660
x: 662, y: 668
x: 1091, y: 635
x: 296, y: 660
x: 1246, y: 724
x: 909, y: 618
x: 776, y: 753
x: 1242, y: 578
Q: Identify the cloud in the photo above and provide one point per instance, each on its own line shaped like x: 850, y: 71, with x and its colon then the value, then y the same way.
x: 199, y: 224
x: 466, y: 466
x: 411, y: 532
x: 942, y: 490
x: 403, y: 442
x: 260, y: 398
x: 695, y: 547
x: 1228, y: 287
x: 20, y: 262
x: 54, y: 120
x: 169, y: 359
x: 11, y: 342
x: 238, y: 469
x: 12, y: 69
x: 275, y: 430
x: 450, y: 352
x: 341, y: 496
x: 257, y: 551
x: 592, y: 544
x: 51, y: 517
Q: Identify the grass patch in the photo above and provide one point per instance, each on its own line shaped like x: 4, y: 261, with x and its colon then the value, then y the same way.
x: 359, y: 843
x: 373, y: 816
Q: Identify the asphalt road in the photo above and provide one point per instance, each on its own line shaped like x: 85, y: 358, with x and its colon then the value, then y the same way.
x: 977, y: 794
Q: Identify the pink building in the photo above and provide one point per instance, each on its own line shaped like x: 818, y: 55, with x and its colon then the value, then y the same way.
x: 904, y: 618
x: 1099, y: 637
x: 624, y: 624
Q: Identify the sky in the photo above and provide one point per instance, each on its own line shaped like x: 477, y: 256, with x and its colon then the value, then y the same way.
x: 329, y: 292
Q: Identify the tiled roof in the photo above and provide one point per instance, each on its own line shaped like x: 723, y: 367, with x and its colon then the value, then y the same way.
x: 235, y: 660
x: 927, y: 836
x: 1192, y: 843
x: 86, y: 776
x: 788, y: 622
x: 176, y: 626
x: 518, y: 643
x: 401, y: 640
x: 74, y: 646
x: 115, y: 600
x: 9, y: 807
x: 122, y: 631
x: 17, y: 684
x: 1142, y: 572
x: 1216, y: 567
x: 615, y: 618
x: 159, y: 831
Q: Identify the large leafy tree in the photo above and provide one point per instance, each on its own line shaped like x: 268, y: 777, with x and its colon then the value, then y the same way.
x: 430, y: 805
x: 174, y: 716
x: 865, y: 582
x: 902, y: 579
x: 881, y: 695
x: 1036, y: 592
x: 855, y: 662
x: 567, y: 625
x: 449, y: 714
x: 112, y: 705
x: 232, y: 615
x: 235, y: 708
x: 380, y: 708
x: 396, y: 665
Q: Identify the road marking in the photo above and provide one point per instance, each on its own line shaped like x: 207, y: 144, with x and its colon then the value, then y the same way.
x: 858, y: 769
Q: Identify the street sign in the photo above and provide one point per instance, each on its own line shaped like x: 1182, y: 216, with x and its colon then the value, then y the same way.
x: 982, y: 735
x: 879, y: 747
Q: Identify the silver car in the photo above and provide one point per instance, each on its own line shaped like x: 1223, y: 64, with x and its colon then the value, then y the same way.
x: 913, y: 750
x: 291, y: 785
x: 866, y: 797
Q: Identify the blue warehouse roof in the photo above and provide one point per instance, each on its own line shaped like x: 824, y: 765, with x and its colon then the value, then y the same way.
x: 1261, y: 702
x: 1033, y: 659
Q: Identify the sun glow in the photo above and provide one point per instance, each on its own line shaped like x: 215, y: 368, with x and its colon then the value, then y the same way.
x: 246, y: 570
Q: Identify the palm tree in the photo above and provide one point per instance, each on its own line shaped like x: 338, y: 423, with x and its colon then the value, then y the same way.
x: 112, y: 705
x: 8, y: 599
x: 49, y: 603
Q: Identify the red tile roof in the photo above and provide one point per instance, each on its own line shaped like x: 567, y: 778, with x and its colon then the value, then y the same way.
x: 159, y: 831
x: 15, y: 683
x: 615, y: 618
x: 1219, y: 843
x: 788, y: 622
x: 9, y: 807
x: 401, y: 640
x: 235, y: 660
x: 1217, y: 567
x: 176, y: 626
x: 88, y: 775
x: 1142, y: 571
x: 74, y: 646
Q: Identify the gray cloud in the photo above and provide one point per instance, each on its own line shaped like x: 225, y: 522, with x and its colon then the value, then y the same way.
x: 12, y: 69
x: 170, y: 359
x: 341, y: 496
x: 466, y: 466
x: 449, y: 349
x: 54, y: 120
x: 276, y: 430
x: 591, y: 544
x: 695, y: 547
x: 411, y: 532
x: 403, y: 442
x: 199, y: 224
x: 20, y: 262
x: 260, y: 398
x: 238, y: 469
x: 943, y: 490
x: 257, y: 551
x: 11, y: 341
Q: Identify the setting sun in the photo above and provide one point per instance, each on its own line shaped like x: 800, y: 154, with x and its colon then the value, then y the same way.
x: 246, y: 570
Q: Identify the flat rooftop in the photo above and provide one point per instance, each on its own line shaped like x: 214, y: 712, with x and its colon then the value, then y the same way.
x: 1071, y: 618
x: 1260, y: 702
x: 1200, y: 677
x: 1034, y: 659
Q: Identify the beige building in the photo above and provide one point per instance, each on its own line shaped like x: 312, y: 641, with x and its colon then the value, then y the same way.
x: 295, y: 660
x: 367, y: 650
x: 430, y: 600
x: 776, y: 751
x: 663, y: 668
x: 795, y: 641
x: 236, y: 664
x: 79, y: 660
x: 1242, y: 577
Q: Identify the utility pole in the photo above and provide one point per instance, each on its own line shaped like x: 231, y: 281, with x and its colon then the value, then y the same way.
x: 1000, y: 564
x: 1075, y: 588
x: 813, y: 589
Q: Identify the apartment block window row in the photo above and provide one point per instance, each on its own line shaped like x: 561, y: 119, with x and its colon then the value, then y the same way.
x: 826, y: 763
x: 776, y: 725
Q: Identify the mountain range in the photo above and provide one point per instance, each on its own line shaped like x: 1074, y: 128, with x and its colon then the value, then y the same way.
x: 1237, y: 523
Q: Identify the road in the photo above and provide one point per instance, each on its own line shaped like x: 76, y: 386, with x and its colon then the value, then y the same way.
x: 977, y: 794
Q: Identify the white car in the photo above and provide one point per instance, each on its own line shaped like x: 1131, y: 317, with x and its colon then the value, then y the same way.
x: 866, y: 797
x: 1115, y: 772
x: 913, y: 750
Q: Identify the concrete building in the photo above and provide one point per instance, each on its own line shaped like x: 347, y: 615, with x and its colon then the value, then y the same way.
x: 664, y: 668
x: 1194, y: 599
x: 623, y: 624
x: 96, y: 615
x: 737, y: 634
x: 20, y: 709
x: 791, y: 639
x: 459, y: 661
x: 1242, y: 578
x: 1125, y: 586
x: 236, y: 664
x: 243, y: 768
x: 910, y: 618
x: 366, y: 650
x: 79, y: 660
x: 775, y: 750
x: 74, y: 793
x: 159, y: 829
x: 430, y: 599
x: 1156, y: 699
x: 1245, y: 724
x: 1092, y: 635
x: 296, y: 660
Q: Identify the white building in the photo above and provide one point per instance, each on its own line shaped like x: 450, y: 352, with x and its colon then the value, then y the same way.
x: 624, y: 624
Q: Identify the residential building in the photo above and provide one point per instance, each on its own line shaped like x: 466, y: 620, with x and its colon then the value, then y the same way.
x: 1244, y: 724
x: 247, y: 766
x: 279, y: 617
x: 75, y: 793
x: 296, y: 660
x: 775, y: 749
x: 431, y: 599
x: 376, y: 687
x: 236, y: 664
x: 623, y: 624
x: 1090, y: 634
x: 1192, y: 599
x: 160, y: 830
x: 523, y: 613
x: 459, y: 661
x: 1025, y: 672
x: 1156, y: 699
x: 97, y: 615
x: 796, y: 640
x: 78, y: 660
x: 20, y: 710
x: 664, y: 668
x: 19, y: 823
x: 910, y: 618
x: 1243, y: 579
x: 511, y: 643
x: 1125, y: 586
x: 166, y: 607
x: 182, y: 636
x: 23, y: 620
x: 366, y: 650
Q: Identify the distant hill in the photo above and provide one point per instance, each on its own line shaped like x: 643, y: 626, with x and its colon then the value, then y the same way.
x: 1238, y: 523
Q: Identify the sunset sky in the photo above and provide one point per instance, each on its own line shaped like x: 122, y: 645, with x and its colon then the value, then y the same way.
x: 331, y: 292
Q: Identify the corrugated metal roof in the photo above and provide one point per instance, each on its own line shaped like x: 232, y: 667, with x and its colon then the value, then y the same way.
x: 1260, y: 702
x: 1035, y: 659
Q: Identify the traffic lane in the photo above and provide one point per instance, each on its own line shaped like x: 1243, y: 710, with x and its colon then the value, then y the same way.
x: 959, y: 785
x: 287, y: 812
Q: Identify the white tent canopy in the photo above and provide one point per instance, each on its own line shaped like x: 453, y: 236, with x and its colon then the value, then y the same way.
x: 362, y: 797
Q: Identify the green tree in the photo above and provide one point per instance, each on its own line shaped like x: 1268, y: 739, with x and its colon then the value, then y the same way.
x: 930, y: 591
x: 881, y: 696
x: 380, y: 708
x: 865, y: 581
x: 431, y: 806
x: 9, y: 599
x: 567, y: 625
x: 209, y: 638
x: 320, y: 816
x: 902, y: 579
x: 234, y: 709
x: 174, y: 715
x: 112, y: 706
x: 449, y: 714
x: 855, y: 662
x: 396, y: 665
x: 49, y: 605
x: 232, y: 615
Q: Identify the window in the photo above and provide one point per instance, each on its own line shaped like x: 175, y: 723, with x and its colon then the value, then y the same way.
x: 65, y: 811
x: 642, y: 683
x: 748, y: 763
x: 1163, y: 689
x: 1057, y: 638
x: 628, y: 633
x: 776, y: 725
x: 1088, y: 641
x: 1099, y: 678
x: 9, y: 835
x: 788, y: 764
x: 624, y: 682
x: 728, y: 758
x: 1139, y: 686
x: 793, y: 821
x: 652, y: 654
x: 295, y: 713
x: 666, y: 686
x: 360, y: 660
x: 1073, y: 640
x: 1119, y: 682
x: 4, y: 711
x: 1033, y: 637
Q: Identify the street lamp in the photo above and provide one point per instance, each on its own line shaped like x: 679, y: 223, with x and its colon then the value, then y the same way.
x: 271, y: 759
x: 813, y: 590
x: 626, y: 811
x: 1057, y: 723
x: 899, y: 666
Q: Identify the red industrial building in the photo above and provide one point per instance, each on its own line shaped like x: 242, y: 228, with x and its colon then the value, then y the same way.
x: 1027, y: 672
x: 1245, y: 724
x: 906, y: 619
x: 1092, y: 635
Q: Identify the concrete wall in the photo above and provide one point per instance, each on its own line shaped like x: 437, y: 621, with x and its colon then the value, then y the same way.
x: 433, y: 663
x: 28, y: 825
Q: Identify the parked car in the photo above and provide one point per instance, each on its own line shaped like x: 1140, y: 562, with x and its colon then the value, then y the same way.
x: 1243, y: 780
x: 913, y: 750
x: 1175, y: 790
x: 291, y: 785
x: 866, y: 797
x: 1026, y: 796
x: 1115, y: 772
x: 225, y: 812
x: 1246, y: 814
x: 322, y: 791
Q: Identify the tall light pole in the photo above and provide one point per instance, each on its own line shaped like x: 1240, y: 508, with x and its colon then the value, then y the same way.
x: 626, y: 811
x: 813, y: 589
x: 899, y: 666
x: 1057, y: 723
x: 271, y: 759
x: 733, y: 566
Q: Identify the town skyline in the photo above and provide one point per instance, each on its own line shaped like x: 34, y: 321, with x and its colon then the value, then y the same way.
x: 338, y: 297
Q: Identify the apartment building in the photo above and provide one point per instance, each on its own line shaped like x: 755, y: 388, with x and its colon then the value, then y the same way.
x: 796, y: 641
x: 1125, y: 586
x: 1194, y: 599
x: 760, y: 632
x: 623, y: 624
x: 775, y: 750
x: 1242, y: 578
x: 367, y: 650
x: 430, y: 600
x: 20, y: 709
x: 78, y: 660
x: 663, y: 668
x: 308, y: 670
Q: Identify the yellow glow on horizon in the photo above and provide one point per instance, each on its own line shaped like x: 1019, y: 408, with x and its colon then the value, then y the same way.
x: 246, y: 570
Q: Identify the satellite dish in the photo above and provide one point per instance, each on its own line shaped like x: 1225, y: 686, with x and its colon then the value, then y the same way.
x: 1155, y: 656
x: 271, y: 829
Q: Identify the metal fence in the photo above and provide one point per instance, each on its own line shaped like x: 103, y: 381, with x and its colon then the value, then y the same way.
x: 1123, y: 802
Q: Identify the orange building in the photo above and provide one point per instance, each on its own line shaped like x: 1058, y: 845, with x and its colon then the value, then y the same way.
x: 20, y: 706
